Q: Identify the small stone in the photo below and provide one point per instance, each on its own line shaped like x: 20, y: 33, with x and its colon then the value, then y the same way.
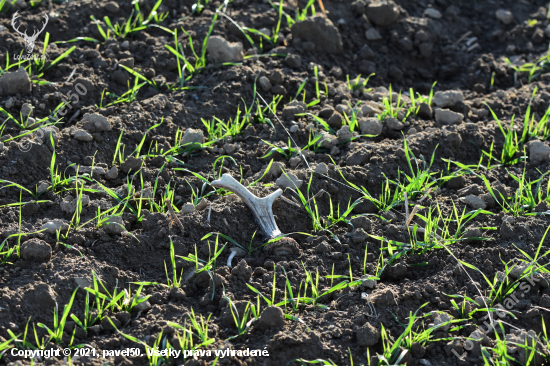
x: 504, y: 16
x: 204, y: 203
x: 473, y: 233
x: 432, y: 13
x: 425, y: 111
x: 370, y: 126
x: 229, y: 148
x: 344, y: 133
x: 265, y: 84
x: 112, y: 7
x: 454, y: 139
x: 322, y: 168
x: 15, y: 82
x: 382, y: 12
x: 335, y: 121
x: 36, y: 250
x: 291, y: 181
x: 271, y: 317
x: 142, y: 306
x: 442, y: 318
x: 42, y: 187
x: 447, y: 117
x: 411, y: 131
x: 294, y: 128
x: 456, y: 182
x: 368, y: 283
x: 447, y: 98
x: 221, y: 51
x: 539, y: 152
x: 278, y: 90
x: 132, y: 164
x: 187, y: 209
x: 293, y: 108
x: 474, y: 202
x: 53, y: 226
x: 319, y: 30
x: 367, y: 335
x: 112, y: 173
x: 9, y: 103
x: 372, y: 34
x: 83, y: 282
x: 26, y: 110
x: 128, y: 62
x: 293, y: 61
x: 82, y: 135
x: 359, y: 235
x: 69, y: 204
x: 547, y: 31
x: 192, y: 136
x: 361, y: 222
x: 393, y: 123
x: 96, y: 123
x: 113, y: 225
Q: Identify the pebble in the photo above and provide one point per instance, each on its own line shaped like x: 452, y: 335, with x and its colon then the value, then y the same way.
x: 291, y: 181
x: 505, y: 16
x: 229, y: 148
x: 54, y: 225
x: 293, y: 61
x: 265, y: 84
x: 68, y: 205
x: 322, y: 168
x: 320, y: 31
x: 220, y: 50
x: 96, y: 123
x: 112, y: 7
x: 370, y: 126
x: 425, y: 111
x: 15, y: 82
x: 447, y: 117
x: 26, y: 110
x: 112, y: 173
x: 447, y: 98
x: 42, y: 187
x: 271, y: 317
x: 539, y: 152
x: 294, y: 128
x: 36, y: 250
x: 293, y: 108
x: 393, y: 123
x: 113, y: 225
x: 367, y: 335
x: 432, y: 13
x: 474, y: 202
x: 187, y: 209
x: 192, y: 135
x: 82, y: 135
x: 372, y: 34
x: 382, y: 12
x: 344, y: 133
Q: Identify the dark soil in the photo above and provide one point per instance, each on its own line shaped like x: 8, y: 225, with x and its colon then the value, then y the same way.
x: 414, y: 51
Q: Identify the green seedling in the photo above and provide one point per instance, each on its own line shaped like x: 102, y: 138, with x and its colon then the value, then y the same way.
x: 56, y: 335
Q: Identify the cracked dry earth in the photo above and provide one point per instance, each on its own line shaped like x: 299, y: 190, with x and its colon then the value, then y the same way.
x: 474, y: 225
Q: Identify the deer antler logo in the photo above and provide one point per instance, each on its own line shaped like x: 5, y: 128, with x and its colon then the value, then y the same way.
x: 29, y: 40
